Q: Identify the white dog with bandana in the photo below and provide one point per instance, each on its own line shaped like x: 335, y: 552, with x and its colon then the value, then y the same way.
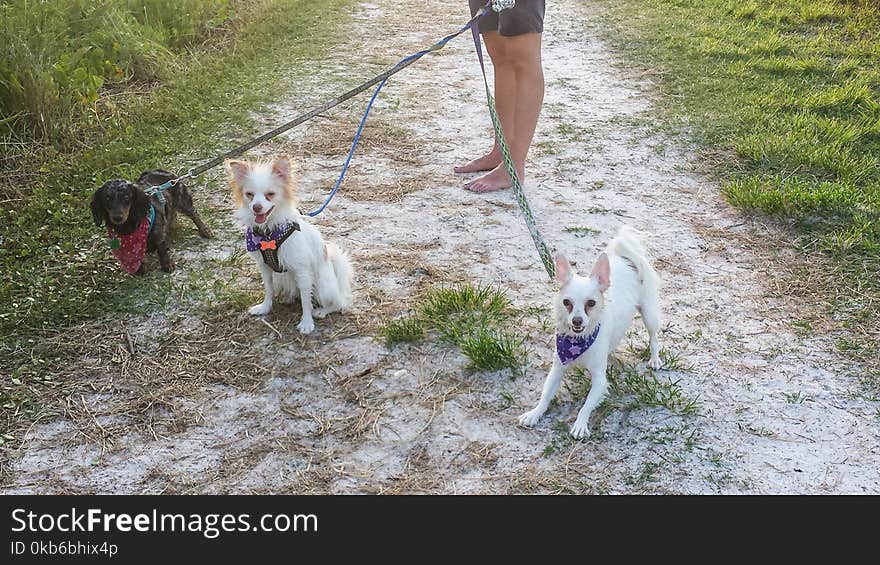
x: 592, y: 316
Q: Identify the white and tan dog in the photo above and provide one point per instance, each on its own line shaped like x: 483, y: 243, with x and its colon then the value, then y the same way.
x: 292, y: 257
x: 592, y: 316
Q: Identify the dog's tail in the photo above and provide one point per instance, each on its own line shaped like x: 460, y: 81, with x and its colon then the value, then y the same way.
x: 628, y: 243
x: 342, y: 272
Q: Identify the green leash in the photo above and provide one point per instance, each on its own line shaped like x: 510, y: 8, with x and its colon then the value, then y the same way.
x: 543, y: 251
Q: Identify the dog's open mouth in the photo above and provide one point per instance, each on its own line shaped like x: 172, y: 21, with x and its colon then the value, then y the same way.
x: 261, y: 218
x: 577, y: 329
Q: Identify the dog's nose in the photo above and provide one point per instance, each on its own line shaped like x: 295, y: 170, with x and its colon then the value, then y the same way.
x: 116, y: 219
x: 577, y: 321
x: 257, y: 208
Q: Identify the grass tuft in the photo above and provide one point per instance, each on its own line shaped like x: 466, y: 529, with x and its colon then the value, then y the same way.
x: 493, y: 350
x: 469, y: 317
x: 404, y: 330
x: 650, y: 390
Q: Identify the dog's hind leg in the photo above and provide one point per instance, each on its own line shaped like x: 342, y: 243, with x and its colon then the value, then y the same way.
x: 598, y: 389
x: 551, y: 385
x: 185, y: 205
x: 651, y: 317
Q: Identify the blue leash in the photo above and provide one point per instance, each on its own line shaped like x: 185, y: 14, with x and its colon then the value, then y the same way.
x: 357, y: 137
x: 354, y: 144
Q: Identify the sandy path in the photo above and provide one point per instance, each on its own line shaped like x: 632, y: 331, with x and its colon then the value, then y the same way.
x: 340, y: 413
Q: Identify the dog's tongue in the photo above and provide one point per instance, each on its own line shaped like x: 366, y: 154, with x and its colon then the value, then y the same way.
x: 260, y: 218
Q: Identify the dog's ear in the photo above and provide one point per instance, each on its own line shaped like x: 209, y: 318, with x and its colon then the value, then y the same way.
x: 281, y: 168
x: 140, y: 202
x: 98, y: 213
x: 237, y: 169
x: 563, y: 269
x: 602, y: 272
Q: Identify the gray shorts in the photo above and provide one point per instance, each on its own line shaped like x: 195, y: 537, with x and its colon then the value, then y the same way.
x: 526, y: 16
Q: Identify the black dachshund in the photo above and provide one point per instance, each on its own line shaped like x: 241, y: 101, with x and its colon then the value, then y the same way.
x: 138, y: 223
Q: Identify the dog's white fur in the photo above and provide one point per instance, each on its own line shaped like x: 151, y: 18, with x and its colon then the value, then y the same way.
x: 622, y: 281
x: 265, y: 190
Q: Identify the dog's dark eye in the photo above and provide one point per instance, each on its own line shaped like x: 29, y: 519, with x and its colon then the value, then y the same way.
x: 270, y: 195
x: 591, y: 303
x: 567, y: 304
x: 249, y: 194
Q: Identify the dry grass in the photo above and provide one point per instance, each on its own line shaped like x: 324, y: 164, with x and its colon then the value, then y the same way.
x: 359, y: 188
x: 117, y: 383
x: 333, y: 138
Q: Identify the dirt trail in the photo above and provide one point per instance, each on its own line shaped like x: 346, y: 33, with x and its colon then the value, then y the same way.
x: 778, y: 412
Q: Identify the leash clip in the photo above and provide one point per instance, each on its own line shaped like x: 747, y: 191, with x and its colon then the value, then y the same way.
x: 499, y: 5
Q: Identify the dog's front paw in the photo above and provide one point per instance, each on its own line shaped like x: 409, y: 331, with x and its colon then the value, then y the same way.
x: 206, y: 232
x: 306, y: 326
x: 580, y: 430
x: 260, y: 309
x: 530, y: 418
x: 168, y: 266
x: 655, y: 362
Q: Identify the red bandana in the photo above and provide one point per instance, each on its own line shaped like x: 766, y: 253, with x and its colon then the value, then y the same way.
x: 132, y: 247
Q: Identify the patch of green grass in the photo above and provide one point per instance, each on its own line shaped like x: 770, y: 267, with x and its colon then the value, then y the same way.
x: 404, y: 330
x: 650, y: 390
x: 784, y: 97
x: 580, y: 231
x: 448, y: 304
x: 646, y: 474
x: 672, y: 434
x: 561, y: 440
x: 796, y: 397
x: 458, y: 311
x: 470, y: 317
x: 603, y: 210
x: 493, y: 350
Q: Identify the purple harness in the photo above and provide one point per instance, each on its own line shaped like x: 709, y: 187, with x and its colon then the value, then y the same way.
x: 268, y: 245
x: 569, y: 348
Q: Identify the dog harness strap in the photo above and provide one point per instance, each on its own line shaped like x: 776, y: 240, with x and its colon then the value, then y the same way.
x: 152, y: 218
x: 268, y: 245
x: 569, y: 348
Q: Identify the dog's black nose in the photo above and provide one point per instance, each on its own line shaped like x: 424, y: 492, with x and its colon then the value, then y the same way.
x: 116, y: 219
x: 577, y: 321
x: 258, y: 208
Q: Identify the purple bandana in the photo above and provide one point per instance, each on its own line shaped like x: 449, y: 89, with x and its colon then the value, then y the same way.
x: 569, y: 348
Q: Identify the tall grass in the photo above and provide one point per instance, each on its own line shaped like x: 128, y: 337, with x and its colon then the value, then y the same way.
x: 56, y: 56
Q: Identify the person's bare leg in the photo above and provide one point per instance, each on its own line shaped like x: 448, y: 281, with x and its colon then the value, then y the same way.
x: 524, y: 56
x: 505, y: 100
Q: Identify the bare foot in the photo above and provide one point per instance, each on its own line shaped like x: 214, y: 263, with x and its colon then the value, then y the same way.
x: 495, y: 180
x: 485, y: 163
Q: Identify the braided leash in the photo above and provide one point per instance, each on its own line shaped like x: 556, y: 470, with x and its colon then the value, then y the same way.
x: 519, y: 194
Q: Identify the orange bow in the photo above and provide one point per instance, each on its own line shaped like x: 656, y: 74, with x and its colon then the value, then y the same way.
x: 264, y: 245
